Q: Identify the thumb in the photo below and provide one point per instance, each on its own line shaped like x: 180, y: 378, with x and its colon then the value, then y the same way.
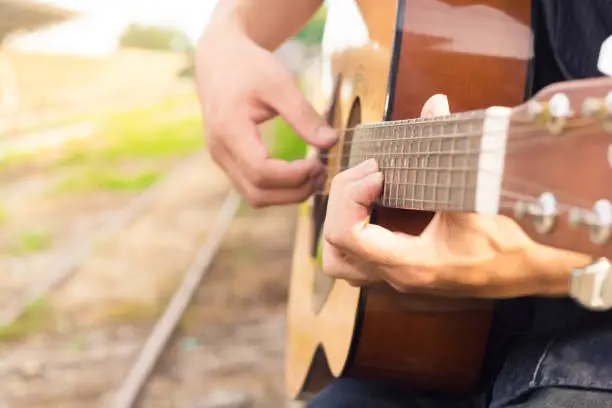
x: 288, y: 101
x: 351, y: 195
x: 437, y: 105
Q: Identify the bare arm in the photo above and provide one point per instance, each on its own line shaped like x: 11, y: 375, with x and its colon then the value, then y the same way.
x: 242, y: 84
x: 266, y: 22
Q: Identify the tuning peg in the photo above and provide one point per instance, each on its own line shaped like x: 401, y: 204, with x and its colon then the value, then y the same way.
x: 604, y: 62
x: 544, y: 210
x: 600, y: 108
x: 553, y: 113
x: 598, y: 220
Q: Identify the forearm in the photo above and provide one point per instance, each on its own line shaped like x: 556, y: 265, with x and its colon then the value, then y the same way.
x: 267, y: 22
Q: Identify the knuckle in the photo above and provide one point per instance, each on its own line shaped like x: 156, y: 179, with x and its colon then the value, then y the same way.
x: 274, y: 84
x: 214, y: 146
x: 334, y: 267
x: 422, y: 278
x: 328, y: 264
x: 337, y: 186
x: 357, y: 283
x: 414, y: 280
x: 281, y: 76
x: 339, y: 180
x: 304, y: 193
x: 256, y: 177
x: 473, y: 279
x: 334, y: 237
x: 256, y: 198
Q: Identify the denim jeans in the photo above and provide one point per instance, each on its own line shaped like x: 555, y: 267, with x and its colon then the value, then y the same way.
x: 348, y: 393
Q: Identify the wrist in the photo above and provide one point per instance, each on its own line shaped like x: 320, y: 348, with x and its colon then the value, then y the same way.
x: 224, y: 22
x: 554, y: 268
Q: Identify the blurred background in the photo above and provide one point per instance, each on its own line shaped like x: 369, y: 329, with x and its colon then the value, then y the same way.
x: 106, y: 195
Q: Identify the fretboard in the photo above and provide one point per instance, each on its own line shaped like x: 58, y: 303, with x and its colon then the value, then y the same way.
x: 451, y: 163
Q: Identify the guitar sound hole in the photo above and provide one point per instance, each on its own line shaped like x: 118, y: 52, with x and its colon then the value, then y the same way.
x: 323, y: 284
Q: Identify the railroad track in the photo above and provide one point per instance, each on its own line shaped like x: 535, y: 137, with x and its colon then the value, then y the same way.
x: 82, y: 246
x: 130, y: 389
x: 227, y: 351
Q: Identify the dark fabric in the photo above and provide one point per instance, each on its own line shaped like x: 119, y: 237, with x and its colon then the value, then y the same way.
x: 576, y: 29
x: 536, y: 342
x: 347, y: 393
x: 350, y: 393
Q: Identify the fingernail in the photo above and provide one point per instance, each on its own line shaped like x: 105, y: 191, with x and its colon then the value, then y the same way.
x: 436, y: 105
x: 376, y: 177
x: 369, y: 164
x: 327, y: 134
x: 312, y: 153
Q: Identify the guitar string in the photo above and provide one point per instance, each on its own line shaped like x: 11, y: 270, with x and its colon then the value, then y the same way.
x: 439, y: 205
x: 524, y: 137
x: 434, y: 121
x: 435, y: 155
x: 562, y: 196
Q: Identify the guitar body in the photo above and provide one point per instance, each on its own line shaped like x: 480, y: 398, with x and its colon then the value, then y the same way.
x: 383, y: 60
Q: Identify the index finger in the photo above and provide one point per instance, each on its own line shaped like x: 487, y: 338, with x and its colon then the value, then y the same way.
x: 252, y: 157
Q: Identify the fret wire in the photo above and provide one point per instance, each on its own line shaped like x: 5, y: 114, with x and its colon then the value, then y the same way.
x: 388, y: 156
x: 414, y: 160
x: 402, y: 160
x: 391, y: 162
x: 417, y: 158
x: 436, y: 174
x: 451, y: 158
x: 465, y: 164
x: 386, y: 153
x: 396, y: 172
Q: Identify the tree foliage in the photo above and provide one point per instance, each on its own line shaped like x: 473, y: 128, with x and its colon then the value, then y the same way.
x: 312, y: 33
x: 155, y: 38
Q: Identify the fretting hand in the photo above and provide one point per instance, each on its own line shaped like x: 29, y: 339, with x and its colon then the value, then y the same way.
x: 465, y: 255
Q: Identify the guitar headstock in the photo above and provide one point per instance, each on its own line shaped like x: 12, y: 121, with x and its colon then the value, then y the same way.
x: 557, y: 179
x: 563, y: 105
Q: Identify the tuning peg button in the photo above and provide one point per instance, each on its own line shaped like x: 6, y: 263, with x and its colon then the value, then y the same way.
x: 598, y: 220
x: 604, y: 63
x: 544, y: 212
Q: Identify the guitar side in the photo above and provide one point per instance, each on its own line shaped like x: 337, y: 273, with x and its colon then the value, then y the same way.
x: 384, y: 62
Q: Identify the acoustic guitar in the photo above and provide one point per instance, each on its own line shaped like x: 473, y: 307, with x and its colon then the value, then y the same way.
x: 542, y: 159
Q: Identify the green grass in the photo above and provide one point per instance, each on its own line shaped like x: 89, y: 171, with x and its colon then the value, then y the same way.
x: 152, y: 132
x: 142, y: 137
x: 35, y: 318
x: 286, y: 144
x: 12, y: 159
x: 107, y: 180
x: 31, y: 241
x: 170, y: 128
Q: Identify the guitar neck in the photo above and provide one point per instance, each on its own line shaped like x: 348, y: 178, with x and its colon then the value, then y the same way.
x: 450, y: 163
